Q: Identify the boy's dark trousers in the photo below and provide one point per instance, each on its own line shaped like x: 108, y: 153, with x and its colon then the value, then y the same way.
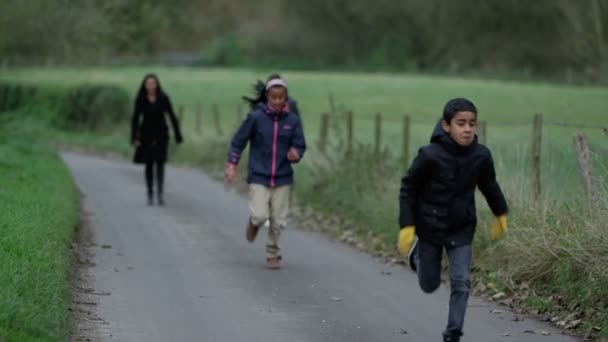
x: 428, y: 262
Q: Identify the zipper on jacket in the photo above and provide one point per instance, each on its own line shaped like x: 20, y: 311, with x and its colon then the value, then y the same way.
x: 274, y: 151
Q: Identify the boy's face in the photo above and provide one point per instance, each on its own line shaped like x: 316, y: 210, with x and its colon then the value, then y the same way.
x: 462, y: 128
x: 277, y: 97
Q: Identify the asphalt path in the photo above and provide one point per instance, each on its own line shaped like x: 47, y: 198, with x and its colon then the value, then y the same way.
x: 184, y: 272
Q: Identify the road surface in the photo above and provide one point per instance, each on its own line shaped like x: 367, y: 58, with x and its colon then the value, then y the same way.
x: 184, y: 272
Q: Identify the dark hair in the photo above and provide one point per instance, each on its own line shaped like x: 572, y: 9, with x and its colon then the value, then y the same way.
x: 142, y: 89
x: 259, y: 92
x: 272, y: 77
x: 457, y: 105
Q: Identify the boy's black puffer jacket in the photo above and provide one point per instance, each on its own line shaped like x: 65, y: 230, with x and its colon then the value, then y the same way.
x: 438, y: 192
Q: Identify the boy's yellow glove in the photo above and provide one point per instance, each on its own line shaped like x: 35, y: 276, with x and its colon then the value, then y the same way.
x: 499, y: 228
x: 406, y: 238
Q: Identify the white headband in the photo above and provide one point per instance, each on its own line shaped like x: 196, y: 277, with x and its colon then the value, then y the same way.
x: 276, y: 82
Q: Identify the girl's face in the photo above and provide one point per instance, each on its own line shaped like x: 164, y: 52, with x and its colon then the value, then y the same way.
x: 151, y: 85
x: 276, y: 97
x: 462, y: 128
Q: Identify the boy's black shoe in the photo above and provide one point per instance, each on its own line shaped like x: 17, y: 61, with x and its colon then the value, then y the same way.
x: 451, y: 337
x: 150, y: 198
x: 412, y: 256
x: 161, y: 201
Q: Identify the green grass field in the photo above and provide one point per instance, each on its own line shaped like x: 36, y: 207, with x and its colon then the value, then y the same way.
x: 38, y: 213
x: 557, y: 245
x: 422, y: 97
x: 508, y: 107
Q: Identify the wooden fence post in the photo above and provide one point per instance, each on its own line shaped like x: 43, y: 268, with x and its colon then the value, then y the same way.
x: 585, y: 164
x: 406, y: 140
x: 239, y: 112
x: 180, y: 114
x: 482, y: 133
x: 332, y: 104
x: 323, y: 132
x: 378, y: 133
x: 349, y: 131
x: 536, y: 153
x: 239, y: 116
x: 216, y: 120
x: 199, y: 119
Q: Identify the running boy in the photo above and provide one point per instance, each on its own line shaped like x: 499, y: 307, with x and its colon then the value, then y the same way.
x: 277, y: 141
x: 437, y: 204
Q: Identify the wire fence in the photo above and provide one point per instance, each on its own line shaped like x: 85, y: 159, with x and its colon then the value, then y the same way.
x: 341, y: 124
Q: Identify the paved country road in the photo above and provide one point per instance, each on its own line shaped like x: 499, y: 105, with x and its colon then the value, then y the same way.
x: 184, y: 272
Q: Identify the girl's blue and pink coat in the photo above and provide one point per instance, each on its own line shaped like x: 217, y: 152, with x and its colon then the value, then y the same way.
x: 271, y: 134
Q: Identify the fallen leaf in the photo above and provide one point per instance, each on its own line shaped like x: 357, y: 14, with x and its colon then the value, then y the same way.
x: 480, y: 288
x: 499, y: 295
x: 506, y: 302
x: 336, y: 299
x: 528, y: 331
x: 346, y: 235
x: 545, y: 333
x: 572, y: 316
x: 573, y: 324
x: 506, y: 334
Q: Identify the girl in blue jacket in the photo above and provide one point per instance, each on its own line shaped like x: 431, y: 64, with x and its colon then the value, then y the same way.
x: 276, y: 140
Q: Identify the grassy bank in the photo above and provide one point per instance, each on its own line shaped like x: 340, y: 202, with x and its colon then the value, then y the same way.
x: 39, y: 208
x: 39, y: 202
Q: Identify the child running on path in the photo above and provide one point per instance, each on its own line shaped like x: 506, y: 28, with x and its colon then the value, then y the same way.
x: 276, y: 141
x: 259, y: 91
x: 437, y: 204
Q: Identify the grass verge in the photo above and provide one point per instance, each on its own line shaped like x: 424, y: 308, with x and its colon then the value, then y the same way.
x: 38, y: 206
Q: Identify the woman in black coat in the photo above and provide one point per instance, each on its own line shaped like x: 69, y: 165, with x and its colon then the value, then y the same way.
x: 150, y: 133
